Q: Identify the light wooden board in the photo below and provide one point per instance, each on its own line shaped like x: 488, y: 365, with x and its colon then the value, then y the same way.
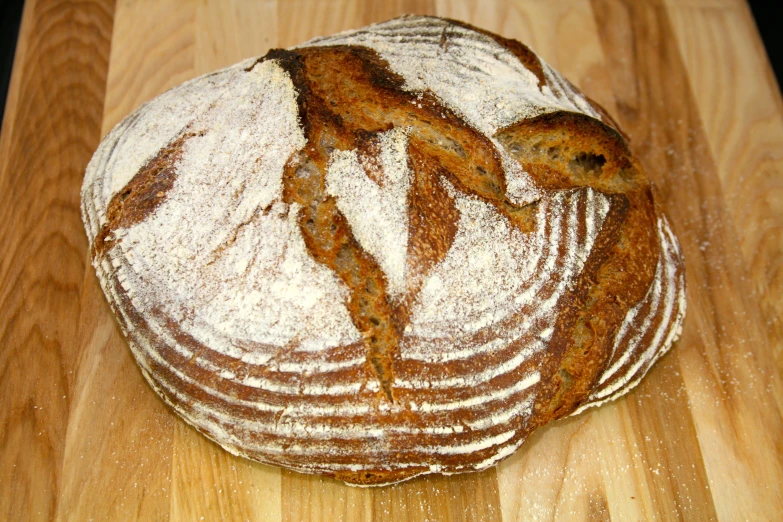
x: 83, y: 437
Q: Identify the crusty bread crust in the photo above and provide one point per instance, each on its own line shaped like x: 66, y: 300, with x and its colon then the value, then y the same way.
x: 452, y: 273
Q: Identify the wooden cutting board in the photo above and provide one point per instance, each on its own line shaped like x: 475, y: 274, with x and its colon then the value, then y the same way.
x: 82, y: 436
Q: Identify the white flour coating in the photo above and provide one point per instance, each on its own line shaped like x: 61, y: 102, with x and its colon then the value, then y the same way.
x: 199, y: 254
x: 486, y: 263
x: 377, y: 212
x: 493, y: 270
x: 224, y: 257
x: 158, y: 122
x: 520, y: 189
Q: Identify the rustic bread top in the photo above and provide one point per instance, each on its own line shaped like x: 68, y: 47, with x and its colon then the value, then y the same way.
x: 385, y: 253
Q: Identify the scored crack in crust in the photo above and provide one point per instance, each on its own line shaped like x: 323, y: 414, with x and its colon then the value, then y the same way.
x: 390, y: 252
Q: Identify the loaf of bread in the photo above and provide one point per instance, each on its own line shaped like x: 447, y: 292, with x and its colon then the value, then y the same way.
x: 390, y: 252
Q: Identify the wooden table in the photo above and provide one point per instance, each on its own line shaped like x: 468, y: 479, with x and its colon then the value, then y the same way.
x: 83, y: 437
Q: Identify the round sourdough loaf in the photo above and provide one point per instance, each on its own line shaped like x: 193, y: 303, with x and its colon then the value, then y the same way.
x: 385, y: 253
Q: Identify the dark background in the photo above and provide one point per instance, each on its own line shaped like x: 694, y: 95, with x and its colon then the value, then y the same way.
x: 767, y: 13
x: 10, y: 16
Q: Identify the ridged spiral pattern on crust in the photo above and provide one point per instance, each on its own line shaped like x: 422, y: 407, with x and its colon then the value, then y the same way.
x: 386, y: 253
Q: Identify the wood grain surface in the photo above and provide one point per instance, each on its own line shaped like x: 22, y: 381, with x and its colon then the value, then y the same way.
x: 83, y: 437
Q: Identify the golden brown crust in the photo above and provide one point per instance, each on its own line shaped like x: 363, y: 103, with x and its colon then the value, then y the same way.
x: 568, y: 150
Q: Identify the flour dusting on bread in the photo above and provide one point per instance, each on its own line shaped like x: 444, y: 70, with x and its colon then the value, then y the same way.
x: 377, y: 211
x: 312, y: 305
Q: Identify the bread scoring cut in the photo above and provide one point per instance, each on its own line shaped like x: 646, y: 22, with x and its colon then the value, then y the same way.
x: 386, y: 253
